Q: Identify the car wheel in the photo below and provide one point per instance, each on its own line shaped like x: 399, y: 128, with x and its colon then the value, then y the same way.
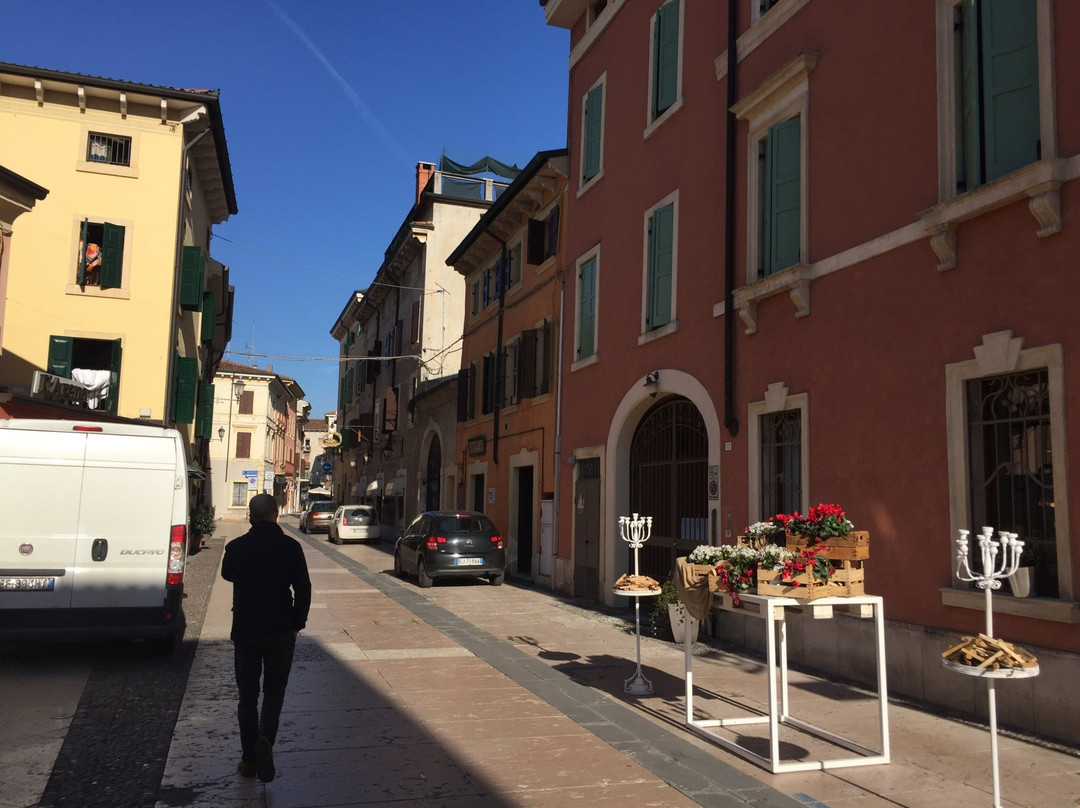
x: 497, y: 580
x: 398, y: 571
x: 421, y: 573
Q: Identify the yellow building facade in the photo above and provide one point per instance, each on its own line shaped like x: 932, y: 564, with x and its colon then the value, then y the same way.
x: 110, y: 283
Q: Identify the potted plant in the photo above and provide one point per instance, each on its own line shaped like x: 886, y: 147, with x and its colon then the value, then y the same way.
x: 202, y: 524
x: 828, y: 528
x: 668, y: 610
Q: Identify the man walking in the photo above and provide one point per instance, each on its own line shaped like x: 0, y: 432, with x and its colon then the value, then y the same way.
x: 271, y: 598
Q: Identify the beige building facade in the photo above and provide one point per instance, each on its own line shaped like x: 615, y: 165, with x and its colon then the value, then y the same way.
x: 110, y: 285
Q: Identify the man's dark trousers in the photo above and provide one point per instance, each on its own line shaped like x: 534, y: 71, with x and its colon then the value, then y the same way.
x: 272, y: 659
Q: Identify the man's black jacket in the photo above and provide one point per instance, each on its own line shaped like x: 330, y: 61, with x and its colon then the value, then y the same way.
x: 271, y: 587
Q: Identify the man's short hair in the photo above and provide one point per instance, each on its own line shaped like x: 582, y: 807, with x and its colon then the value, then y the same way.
x: 263, y: 508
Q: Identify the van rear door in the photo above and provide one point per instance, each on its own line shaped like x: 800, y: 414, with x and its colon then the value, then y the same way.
x: 125, y: 517
x: 40, y: 484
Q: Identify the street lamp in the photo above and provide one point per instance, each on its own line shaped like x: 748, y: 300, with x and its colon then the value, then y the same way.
x: 237, y: 392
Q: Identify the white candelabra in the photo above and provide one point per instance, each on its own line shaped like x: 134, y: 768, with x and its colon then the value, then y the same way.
x: 1000, y: 560
x: 635, y: 531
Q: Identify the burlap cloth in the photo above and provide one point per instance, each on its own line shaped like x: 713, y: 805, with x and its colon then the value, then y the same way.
x: 695, y: 584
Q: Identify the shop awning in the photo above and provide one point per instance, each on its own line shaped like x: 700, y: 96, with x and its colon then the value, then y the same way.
x: 395, y: 488
x: 373, y: 488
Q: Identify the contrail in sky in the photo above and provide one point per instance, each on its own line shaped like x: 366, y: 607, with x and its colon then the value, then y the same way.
x: 357, y: 101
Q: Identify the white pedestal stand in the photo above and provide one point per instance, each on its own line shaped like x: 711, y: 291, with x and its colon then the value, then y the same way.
x: 993, y: 573
x: 636, y: 531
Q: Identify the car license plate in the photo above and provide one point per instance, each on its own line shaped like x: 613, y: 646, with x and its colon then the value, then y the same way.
x: 34, y: 584
x: 469, y: 562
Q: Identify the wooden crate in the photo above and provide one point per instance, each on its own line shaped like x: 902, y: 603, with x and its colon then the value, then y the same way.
x: 853, y: 547
x: 848, y: 580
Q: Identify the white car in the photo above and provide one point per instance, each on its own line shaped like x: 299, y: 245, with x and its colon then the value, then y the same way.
x: 355, y: 523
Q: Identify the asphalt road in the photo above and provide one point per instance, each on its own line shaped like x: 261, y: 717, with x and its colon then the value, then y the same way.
x: 114, y: 704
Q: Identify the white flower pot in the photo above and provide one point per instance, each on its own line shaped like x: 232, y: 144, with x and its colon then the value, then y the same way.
x: 1022, y: 582
x: 679, y: 619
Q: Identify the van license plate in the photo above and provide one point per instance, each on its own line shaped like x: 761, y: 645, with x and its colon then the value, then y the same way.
x: 469, y: 562
x: 27, y: 584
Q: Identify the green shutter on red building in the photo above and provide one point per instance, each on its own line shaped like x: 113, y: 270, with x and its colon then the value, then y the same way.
x: 594, y: 105
x: 781, y: 213
x: 666, y: 57
x: 661, y: 249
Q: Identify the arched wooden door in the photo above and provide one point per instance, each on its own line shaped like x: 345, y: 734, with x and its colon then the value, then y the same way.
x: 669, y: 462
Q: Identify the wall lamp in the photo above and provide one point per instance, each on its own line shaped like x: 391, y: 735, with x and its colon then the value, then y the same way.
x: 652, y: 377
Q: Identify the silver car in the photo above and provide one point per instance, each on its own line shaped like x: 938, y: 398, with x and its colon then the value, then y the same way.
x: 355, y: 523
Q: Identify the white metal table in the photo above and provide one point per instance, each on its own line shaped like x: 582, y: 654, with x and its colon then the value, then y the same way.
x: 772, y: 611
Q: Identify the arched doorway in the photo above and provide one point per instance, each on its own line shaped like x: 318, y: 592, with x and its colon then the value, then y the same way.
x: 433, y: 476
x: 669, y: 460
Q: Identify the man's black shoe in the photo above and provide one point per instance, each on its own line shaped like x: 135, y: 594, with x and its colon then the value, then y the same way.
x: 264, y: 759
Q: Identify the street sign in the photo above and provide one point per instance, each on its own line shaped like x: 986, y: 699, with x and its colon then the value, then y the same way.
x: 327, y: 467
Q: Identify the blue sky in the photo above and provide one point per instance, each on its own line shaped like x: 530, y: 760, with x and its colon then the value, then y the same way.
x: 327, y: 106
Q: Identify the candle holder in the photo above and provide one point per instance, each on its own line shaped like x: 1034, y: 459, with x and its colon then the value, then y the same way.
x: 999, y: 561
x: 635, y: 531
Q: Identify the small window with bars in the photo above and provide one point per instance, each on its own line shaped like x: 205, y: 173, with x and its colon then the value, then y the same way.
x: 113, y: 150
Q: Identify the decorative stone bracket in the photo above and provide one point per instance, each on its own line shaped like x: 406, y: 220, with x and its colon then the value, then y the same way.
x: 793, y: 280
x: 1040, y: 183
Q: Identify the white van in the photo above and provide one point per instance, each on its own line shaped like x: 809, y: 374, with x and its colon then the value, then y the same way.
x: 93, y: 529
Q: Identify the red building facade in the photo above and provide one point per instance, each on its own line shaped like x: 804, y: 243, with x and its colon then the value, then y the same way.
x: 819, y: 264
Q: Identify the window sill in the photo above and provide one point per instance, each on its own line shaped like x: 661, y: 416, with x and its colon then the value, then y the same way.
x: 1039, y: 183
x: 93, y: 291
x: 1056, y: 611
x: 664, y: 117
x: 793, y: 280
x: 584, y: 363
x: 590, y: 182
x: 658, y: 333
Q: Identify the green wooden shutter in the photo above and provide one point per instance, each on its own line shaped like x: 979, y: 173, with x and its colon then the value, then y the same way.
x: 112, y: 395
x: 661, y: 231
x: 594, y: 105
x: 60, y: 352
x: 80, y: 273
x: 1010, y: 85
x: 204, y: 415
x: 666, y: 57
x: 209, y: 316
x: 587, y: 309
x: 191, y: 278
x: 112, y: 256
x: 782, y: 189
x: 185, y: 389
x: 971, y: 108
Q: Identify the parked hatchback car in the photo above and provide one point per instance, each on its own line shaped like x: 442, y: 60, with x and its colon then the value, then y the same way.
x: 355, y: 523
x: 317, y: 518
x: 446, y: 544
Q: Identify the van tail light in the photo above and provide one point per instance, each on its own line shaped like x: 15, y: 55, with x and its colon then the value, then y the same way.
x: 434, y: 542
x: 497, y: 541
x: 177, y: 546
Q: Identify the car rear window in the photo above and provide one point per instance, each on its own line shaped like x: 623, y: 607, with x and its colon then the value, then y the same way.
x: 363, y: 516
x: 466, y: 523
x: 324, y: 506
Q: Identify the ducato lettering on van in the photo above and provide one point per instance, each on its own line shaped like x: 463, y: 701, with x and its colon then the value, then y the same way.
x: 142, y: 552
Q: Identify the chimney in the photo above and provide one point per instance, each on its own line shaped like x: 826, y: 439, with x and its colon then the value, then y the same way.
x: 424, y: 172
x: 270, y: 368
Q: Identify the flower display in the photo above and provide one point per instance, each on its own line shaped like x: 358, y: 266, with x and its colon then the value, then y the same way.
x: 760, y: 533
x: 737, y: 567
x: 824, y: 521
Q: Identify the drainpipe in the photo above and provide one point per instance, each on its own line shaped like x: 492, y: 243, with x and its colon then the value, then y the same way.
x: 731, y: 423
x: 558, y: 436
x: 499, y: 364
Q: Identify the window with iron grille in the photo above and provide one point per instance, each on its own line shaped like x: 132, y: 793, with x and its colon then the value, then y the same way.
x: 1010, y: 475
x: 113, y: 150
x: 781, y: 462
